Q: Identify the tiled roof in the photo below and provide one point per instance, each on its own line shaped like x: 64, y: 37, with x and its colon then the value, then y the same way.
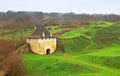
x: 41, y: 32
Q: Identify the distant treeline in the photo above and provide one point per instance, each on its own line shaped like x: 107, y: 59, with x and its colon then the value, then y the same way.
x: 57, y: 18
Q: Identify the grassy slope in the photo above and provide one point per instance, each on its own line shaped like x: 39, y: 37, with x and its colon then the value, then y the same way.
x: 76, y: 45
x: 65, y: 65
x: 100, y: 23
x: 87, y: 37
x: 99, y: 62
x: 73, y: 64
x: 92, y: 29
x: 108, y: 56
x: 113, y: 50
x: 96, y: 62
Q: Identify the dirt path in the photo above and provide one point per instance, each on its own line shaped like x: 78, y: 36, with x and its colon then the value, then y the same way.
x: 74, y: 60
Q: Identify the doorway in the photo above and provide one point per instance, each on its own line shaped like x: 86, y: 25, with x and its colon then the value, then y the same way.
x: 48, y: 51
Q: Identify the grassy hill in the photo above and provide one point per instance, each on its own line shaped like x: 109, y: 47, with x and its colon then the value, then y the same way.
x: 88, y: 51
x: 94, y: 26
x: 71, y: 64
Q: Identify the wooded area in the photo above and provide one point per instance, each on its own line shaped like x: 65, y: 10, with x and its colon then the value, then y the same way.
x: 21, y: 21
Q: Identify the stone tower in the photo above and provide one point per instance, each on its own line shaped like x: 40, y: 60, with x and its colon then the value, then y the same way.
x: 41, y: 41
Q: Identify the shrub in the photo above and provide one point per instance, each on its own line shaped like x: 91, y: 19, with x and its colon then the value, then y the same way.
x: 10, y: 64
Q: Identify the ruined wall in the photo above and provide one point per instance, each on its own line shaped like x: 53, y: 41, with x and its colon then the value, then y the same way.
x: 41, y: 45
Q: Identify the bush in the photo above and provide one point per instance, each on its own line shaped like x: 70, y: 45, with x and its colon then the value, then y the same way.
x: 10, y: 64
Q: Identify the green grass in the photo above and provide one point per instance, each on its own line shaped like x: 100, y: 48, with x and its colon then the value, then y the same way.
x: 108, y: 51
x: 71, y: 34
x: 17, y: 35
x: 106, y: 57
x: 51, y: 66
x: 100, y: 23
x: 104, y: 61
x: 64, y: 65
x: 94, y: 26
x: 78, y: 32
x: 75, y: 45
x: 83, y: 57
x: 53, y: 29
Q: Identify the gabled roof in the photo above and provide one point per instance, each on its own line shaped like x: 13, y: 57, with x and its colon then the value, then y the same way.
x: 41, y: 32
